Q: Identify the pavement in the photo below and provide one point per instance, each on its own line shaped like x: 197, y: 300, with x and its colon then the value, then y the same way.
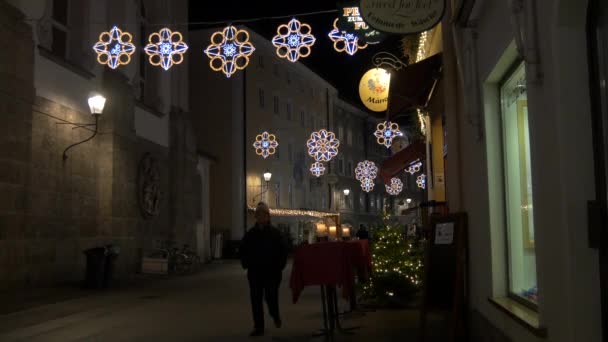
x: 212, y: 305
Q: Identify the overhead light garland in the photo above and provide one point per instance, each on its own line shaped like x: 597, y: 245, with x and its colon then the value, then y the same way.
x: 317, y: 169
x: 385, y: 133
x: 296, y: 212
x: 166, y: 48
x: 422, y: 120
x: 229, y: 50
x: 323, y: 145
x: 395, y: 187
x: 366, y: 172
x: 265, y: 144
x: 414, y: 167
x: 293, y: 40
x: 421, y: 181
x: 114, y: 48
x: 345, y: 41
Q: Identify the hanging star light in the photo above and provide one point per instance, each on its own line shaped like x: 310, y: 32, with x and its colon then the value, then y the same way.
x: 323, y: 145
x: 317, y: 169
x: 367, y: 184
x: 265, y: 144
x: 293, y: 40
x: 385, y: 133
x: 114, y: 48
x: 395, y: 187
x: 414, y: 167
x: 165, y: 48
x: 345, y: 41
x: 229, y: 50
x: 366, y: 169
x: 421, y: 181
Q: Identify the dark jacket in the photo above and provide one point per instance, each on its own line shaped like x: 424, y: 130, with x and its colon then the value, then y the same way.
x: 263, y: 250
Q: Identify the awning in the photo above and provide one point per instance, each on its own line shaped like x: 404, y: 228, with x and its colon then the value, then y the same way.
x: 398, y: 162
x: 416, y: 85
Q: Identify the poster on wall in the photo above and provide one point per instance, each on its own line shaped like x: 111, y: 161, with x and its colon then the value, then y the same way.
x: 350, y: 20
x: 403, y: 16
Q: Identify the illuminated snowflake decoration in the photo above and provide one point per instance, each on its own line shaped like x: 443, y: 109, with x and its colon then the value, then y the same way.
x: 265, y: 144
x: 229, y: 50
x: 367, y: 184
x: 114, y: 48
x: 165, y: 48
x: 421, y: 181
x: 366, y: 169
x: 385, y: 133
x: 414, y: 168
x: 323, y: 145
x: 395, y: 187
x: 345, y: 41
x: 293, y: 40
x: 317, y: 169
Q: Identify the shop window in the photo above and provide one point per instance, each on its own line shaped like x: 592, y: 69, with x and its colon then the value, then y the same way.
x: 518, y: 187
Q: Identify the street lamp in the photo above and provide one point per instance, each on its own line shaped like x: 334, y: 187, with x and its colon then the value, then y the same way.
x: 267, y: 176
x: 96, y: 104
x: 409, y: 200
x: 346, y: 192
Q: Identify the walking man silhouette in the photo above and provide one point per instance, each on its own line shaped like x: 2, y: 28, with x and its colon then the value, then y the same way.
x: 263, y: 254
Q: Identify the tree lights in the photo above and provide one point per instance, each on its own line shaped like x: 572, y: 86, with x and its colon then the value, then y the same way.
x: 265, y: 144
x: 229, y: 50
x: 165, y: 48
x: 293, y: 40
x: 114, y: 48
x: 386, y: 131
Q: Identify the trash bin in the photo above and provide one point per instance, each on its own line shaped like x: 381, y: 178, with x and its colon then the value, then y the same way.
x: 110, y: 264
x: 96, y: 260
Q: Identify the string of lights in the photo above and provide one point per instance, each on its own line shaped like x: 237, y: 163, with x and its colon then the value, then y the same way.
x: 217, y: 22
x: 297, y: 212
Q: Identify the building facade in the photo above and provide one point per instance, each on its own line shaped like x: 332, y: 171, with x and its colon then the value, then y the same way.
x: 54, y: 208
x: 521, y: 161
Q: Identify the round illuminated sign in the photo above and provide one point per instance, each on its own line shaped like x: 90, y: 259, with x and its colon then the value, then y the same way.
x: 373, y: 89
x: 350, y: 20
x: 402, y: 17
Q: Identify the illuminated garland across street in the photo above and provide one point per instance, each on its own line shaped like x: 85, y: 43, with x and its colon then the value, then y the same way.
x: 114, y: 48
x: 293, y: 40
x: 323, y: 145
x: 413, y: 168
x: 229, y: 50
x: 421, y: 181
x: 166, y: 48
x: 265, y: 144
x: 385, y: 133
x: 367, y: 184
x: 296, y: 212
x: 317, y: 169
x: 395, y: 187
x: 345, y: 41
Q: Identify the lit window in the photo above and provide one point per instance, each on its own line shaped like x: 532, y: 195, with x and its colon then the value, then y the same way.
x: 518, y: 187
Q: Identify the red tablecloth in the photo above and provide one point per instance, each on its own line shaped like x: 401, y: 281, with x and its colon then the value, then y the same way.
x: 329, y: 263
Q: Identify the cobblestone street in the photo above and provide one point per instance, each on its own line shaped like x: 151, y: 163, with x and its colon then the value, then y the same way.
x: 212, y: 305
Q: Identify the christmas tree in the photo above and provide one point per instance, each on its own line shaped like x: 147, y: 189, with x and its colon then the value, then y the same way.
x: 397, y: 265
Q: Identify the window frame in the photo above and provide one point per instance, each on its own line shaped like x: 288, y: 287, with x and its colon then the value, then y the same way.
x: 510, y: 294
x: 65, y: 28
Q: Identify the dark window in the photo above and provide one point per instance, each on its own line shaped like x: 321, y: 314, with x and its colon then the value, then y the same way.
x: 302, y: 120
x: 261, y: 97
x: 288, y: 110
x: 60, y: 11
x: 261, y: 62
x: 276, y: 105
x: 60, y: 38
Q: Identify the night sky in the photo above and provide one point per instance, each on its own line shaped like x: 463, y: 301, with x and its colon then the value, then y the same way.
x: 340, y: 69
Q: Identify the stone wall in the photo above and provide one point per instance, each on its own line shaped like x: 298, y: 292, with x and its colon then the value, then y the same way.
x: 52, y: 209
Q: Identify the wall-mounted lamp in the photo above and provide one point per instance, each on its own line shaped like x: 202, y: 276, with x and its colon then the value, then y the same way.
x: 409, y: 200
x: 96, y: 104
x: 267, y: 176
x: 346, y: 192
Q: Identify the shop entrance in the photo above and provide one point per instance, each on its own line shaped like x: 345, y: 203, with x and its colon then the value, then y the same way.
x: 597, y: 30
